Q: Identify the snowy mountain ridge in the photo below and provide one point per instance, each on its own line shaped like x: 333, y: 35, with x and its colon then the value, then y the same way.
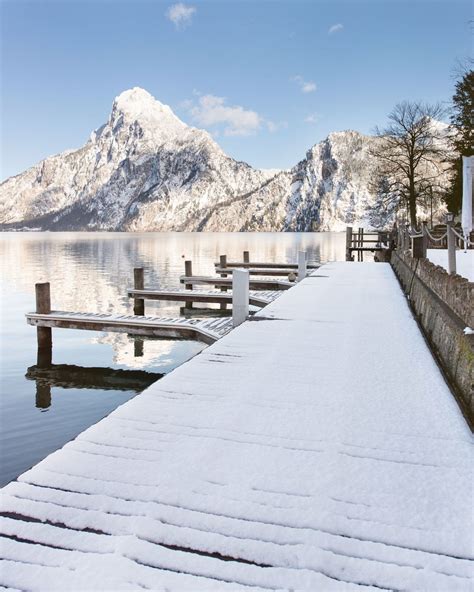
x: 145, y: 170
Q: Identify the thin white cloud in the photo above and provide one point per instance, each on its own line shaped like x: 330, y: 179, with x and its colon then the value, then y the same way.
x: 180, y: 14
x: 213, y: 111
x: 306, y: 86
x: 335, y: 28
x: 274, y: 126
x: 312, y: 118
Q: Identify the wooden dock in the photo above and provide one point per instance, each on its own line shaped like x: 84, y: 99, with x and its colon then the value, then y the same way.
x: 270, y: 271
x: 256, y: 265
x: 315, y: 447
x: 208, y: 330
x: 362, y: 241
x: 256, y: 298
x: 255, y: 284
x: 247, y: 264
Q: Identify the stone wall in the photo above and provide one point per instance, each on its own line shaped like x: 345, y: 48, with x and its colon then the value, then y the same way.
x: 444, y: 306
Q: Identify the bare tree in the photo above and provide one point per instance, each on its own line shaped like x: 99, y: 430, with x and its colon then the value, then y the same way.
x: 410, y: 154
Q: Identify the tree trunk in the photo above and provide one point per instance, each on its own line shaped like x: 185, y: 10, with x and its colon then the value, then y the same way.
x: 412, y: 211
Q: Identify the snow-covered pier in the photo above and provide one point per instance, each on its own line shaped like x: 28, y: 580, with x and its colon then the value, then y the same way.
x: 315, y: 447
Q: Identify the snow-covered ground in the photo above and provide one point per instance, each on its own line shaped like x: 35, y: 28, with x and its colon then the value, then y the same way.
x: 319, y: 448
x: 464, y: 261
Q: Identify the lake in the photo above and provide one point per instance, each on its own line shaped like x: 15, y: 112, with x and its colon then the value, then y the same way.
x: 90, y: 272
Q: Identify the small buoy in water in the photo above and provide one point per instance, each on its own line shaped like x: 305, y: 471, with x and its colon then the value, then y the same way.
x: 291, y: 277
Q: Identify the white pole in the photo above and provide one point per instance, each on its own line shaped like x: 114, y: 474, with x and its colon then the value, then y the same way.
x: 451, y: 247
x: 467, y: 197
x: 301, y: 265
x: 240, y: 296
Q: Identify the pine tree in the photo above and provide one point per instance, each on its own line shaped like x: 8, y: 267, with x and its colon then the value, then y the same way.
x: 462, y: 122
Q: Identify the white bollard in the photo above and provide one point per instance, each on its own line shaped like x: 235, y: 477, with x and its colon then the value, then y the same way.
x: 240, y: 296
x: 301, y: 265
x: 451, y: 248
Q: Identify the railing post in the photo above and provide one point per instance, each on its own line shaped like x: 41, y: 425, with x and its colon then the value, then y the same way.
x: 139, y: 284
x: 418, y: 247
x: 223, y: 265
x: 301, y: 265
x: 451, y: 246
x: 240, y: 296
x: 44, y: 334
x: 424, y: 231
x: 349, y: 243
x: 360, y: 244
x: 188, y: 272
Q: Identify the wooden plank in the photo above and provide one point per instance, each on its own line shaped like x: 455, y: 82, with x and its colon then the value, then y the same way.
x: 367, y: 249
x: 147, y: 326
x: 256, y: 264
x: 255, y: 284
x: 257, y: 271
x: 212, y: 297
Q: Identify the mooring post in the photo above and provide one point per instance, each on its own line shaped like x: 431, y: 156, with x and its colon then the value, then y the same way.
x: 43, y: 334
x: 139, y: 284
x: 246, y: 257
x: 223, y: 265
x: 451, y: 244
x: 348, y: 243
x: 301, y: 265
x: 188, y: 272
x: 240, y: 296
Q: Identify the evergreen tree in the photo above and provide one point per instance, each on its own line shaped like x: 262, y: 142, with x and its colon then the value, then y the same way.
x: 462, y: 122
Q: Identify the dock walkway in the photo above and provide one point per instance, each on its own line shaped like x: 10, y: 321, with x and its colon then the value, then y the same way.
x: 315, y: 447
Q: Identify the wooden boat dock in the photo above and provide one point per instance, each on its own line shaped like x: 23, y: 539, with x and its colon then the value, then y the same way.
x: 256, y: 298
x: 255, y: 284
x: 208, y: 330
x: 315, y: 447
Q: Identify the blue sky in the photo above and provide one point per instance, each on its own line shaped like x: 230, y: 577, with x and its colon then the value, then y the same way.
x: 268, y: 79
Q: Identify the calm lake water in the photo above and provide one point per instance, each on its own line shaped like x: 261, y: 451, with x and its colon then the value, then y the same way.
x: 90, y: 272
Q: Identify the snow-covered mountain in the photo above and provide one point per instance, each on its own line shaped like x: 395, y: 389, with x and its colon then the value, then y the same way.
x: 147, y: 170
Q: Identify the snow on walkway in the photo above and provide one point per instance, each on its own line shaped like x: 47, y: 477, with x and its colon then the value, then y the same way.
x: 317, y: 448
x: 464, y: 261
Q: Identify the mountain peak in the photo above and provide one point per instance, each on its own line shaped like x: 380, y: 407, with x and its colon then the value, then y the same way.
x: 137, y: 104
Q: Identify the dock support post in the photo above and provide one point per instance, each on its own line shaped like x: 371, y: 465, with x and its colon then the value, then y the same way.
x: 240, y: 296
x: 349, y: 243
x: 44, y: 334
x: 223, y: 264
x: 451, y: 245
x: 301, y: 265
x: 43, y: 395
x: 246, y: 257
x: 139, y: 284
x: 188, y: 272
x: 138, y: 347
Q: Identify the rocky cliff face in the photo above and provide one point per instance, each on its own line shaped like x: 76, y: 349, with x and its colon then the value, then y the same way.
x: 147, y: 170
